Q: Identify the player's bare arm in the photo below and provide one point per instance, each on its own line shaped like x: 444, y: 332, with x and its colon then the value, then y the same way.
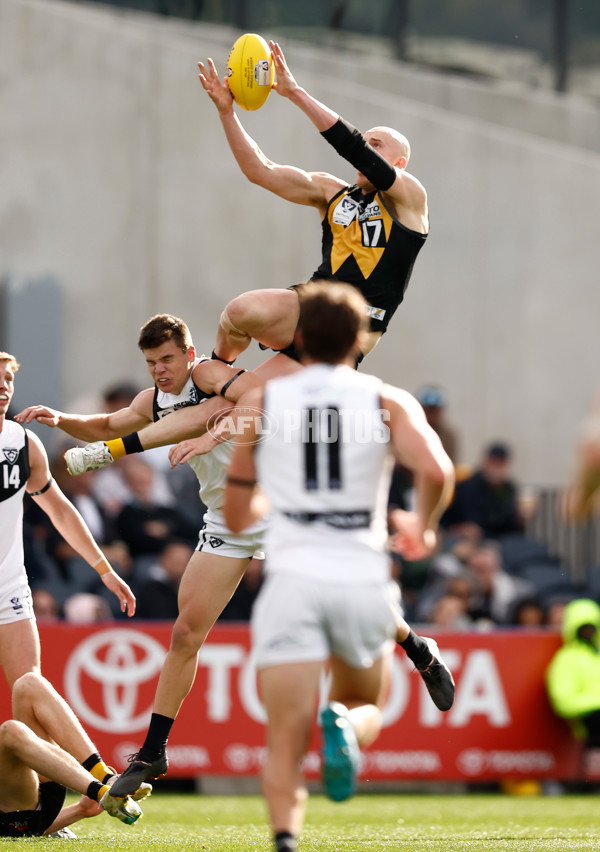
x: 418, y: 447
x: 291, y: 183
x: 70, y: 524
x: 94, y: 427
x: 244, y: 502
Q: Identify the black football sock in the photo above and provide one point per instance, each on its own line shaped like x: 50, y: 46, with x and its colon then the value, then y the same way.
x: 285, y: 842
x: 157, y: 736
x: 417, y: 650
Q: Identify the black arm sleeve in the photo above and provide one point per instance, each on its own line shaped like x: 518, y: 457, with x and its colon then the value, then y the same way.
x: 352, y: 146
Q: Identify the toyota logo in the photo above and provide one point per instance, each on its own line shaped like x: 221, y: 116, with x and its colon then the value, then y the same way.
x: 111, y: 667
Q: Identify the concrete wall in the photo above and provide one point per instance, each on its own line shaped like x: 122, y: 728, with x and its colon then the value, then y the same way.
x: 116, y: 181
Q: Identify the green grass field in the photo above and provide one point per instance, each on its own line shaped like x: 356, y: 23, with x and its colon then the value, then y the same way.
x: 392, y: 821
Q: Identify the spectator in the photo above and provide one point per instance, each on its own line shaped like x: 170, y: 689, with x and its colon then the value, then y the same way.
x: 144, y: 525
x: 496, y: 592
x: 84, y: 608
x: 450, y: 613
x: 434, y: 401
x: 554, y: 614
x: 487, y: 500
x: 46, y: 607
x: 573, y: 676
x: 157, y: 597
x: 528, y: 612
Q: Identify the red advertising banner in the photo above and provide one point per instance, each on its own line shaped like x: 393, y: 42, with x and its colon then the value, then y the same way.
x: 500, y: 726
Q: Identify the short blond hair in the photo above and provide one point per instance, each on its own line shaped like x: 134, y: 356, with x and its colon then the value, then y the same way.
x: 6, y: 356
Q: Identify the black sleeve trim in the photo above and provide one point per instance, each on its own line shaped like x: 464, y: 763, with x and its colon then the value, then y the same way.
x: 352, y: 146
x: 42, y: 490
x: 225, y: 387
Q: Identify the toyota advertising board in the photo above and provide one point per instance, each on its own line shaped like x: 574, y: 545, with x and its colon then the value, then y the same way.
x: 500, y: 726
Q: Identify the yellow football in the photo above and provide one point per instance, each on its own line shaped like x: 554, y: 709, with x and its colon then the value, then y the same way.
x: 250, y: 71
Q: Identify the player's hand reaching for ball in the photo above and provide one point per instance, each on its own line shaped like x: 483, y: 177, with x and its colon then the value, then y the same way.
x: 285, y: 83
x: 216, y: 89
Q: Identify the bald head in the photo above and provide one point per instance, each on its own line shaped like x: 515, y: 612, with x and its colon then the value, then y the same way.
x: 395, y: 145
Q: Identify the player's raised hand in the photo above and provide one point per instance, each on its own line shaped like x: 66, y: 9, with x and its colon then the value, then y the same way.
x: 285, y: 83
x: 216, y: 89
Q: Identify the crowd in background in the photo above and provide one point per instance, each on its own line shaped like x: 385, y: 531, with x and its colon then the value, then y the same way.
x: 486, y: 571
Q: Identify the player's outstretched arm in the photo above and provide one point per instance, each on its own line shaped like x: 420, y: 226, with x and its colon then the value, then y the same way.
x: 214, y: 377
x: 94, y: 427
x: 293, y: 184
x: 70, y: 524
x: 71, y: 814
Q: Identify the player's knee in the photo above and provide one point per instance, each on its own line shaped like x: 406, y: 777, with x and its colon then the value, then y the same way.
x: 186, y: 638
x: 27, y: 686
x: 12, y: 732
x: 238, y: 314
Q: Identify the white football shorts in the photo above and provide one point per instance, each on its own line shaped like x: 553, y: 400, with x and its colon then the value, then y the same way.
x: 298, y: 620
x: 16, y: 603
x: 216, y: 537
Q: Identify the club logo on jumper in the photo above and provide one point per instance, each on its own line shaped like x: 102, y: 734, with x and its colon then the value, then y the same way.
x: 345, y: 211
x: 16, y: 604
x: 11, y: 454
x: 105, y: 675
x: 215, y: 542
x: 194, y: 398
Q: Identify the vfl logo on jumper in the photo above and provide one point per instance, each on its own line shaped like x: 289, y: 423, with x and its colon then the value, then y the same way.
x: 16, y: 604
x: 103, y: 676
x: 376, y: 313
x: 194, y: 398
x: 11, y: 454
x: 345, y: 211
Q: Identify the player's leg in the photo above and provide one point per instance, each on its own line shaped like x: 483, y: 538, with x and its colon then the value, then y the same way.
x: 363, y: 692
x: 207, y: 585
x: 38, y: 705
x: 19, y: 648
x: 269, y: 316
x: 425, y: 654
x: 19, y: 784
x: 276, y: 366
x: 24, y: 757
x: 289, y: 693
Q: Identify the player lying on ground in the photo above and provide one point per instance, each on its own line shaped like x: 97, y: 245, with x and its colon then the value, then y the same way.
x: 43, y: 752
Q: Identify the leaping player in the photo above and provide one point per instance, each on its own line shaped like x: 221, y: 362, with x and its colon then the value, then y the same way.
x: 372, y: 230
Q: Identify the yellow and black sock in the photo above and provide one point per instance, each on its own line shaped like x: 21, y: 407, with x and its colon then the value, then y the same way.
x: 96, y: 767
